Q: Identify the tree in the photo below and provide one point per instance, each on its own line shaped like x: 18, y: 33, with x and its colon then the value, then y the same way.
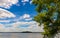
x: 48, y: 13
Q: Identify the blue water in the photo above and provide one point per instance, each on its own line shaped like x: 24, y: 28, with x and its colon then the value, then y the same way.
x: 21, y: 35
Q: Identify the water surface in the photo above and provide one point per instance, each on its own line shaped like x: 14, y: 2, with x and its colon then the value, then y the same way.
x: 21, y: 35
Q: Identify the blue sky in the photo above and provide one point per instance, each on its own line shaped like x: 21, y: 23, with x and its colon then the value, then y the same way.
x: 17, y: 15
x: 22, y: 9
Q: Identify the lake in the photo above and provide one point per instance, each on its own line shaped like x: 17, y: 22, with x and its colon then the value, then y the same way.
x: 21, y: 35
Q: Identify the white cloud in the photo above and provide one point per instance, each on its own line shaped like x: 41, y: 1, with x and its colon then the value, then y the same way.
x: 25, y: 0
x: 7, y: 3
x: 6, y: 14
x: 31, y: 2
x: 23, y: 23
x: 13, y: 27
x: 1, y: 26
x: 26, y: 17
x: 4, y: 20
x: 33, y: 26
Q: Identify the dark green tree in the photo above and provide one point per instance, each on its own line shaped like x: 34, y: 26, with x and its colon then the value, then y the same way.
x: 48, y: 13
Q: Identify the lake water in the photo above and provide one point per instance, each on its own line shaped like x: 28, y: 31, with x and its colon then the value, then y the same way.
x: 21, y: 35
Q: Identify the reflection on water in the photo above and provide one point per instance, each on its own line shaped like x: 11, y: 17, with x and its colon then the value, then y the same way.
x: 21, y: 35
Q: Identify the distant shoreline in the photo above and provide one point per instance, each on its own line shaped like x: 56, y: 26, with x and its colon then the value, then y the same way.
x: 20, y: 32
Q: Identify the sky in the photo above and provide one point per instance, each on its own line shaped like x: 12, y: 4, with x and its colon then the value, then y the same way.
x: 17, y: 16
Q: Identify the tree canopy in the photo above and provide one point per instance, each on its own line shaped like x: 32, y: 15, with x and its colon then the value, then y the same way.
x: 49, y: 15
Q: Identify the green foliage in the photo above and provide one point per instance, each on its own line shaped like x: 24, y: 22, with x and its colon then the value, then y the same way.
x: 51, y: 24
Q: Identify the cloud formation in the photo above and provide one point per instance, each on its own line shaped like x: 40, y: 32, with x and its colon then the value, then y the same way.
x: 16, y: 27
x: 31, y: 2
x: 6, y: 14
x: 25, y: 0
x: 26, y: 17
x: 5, y: 21
x: 7, y: 3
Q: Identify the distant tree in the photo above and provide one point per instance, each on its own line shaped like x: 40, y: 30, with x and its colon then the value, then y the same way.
x: 49, y: 15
